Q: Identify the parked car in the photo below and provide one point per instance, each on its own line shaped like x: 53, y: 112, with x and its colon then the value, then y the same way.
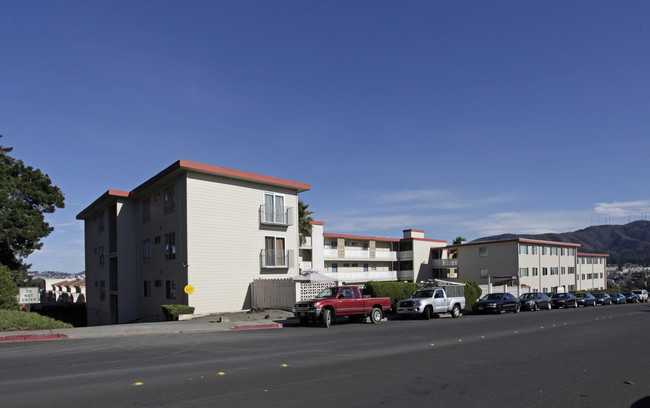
x: 534, y: 301
x: 617, y: 298
x: 564, y: 300
x: 585, y: 299
x: 630, y: 297
x: 642, y: 294
x: 432, y: 301
x: 603, y: 299
x: 497, y: 302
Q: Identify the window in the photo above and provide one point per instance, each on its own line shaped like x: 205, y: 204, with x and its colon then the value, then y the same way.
x: 544, y: 250
x: 545, y: 290
x: 274, y: 252
x: 572, y: 270
x: 146, y: 211
x: 483, y: 251
x: 523, y: 272
x: 601, y: 275
x: 535, y: 271
x: 523, y: 249
x: 365, y: 246
x: 147, y: 288
x: 553, y: 250
x: 572, y: 251
x: 563, y: 251
x: 535, y: 248
x: 333, y: 244
x: 146, y: 251
x: 483, y: 272
x: 273, y: 209
x: 168, y: 200
x: 365, y: 267
x: 563, y: 270
x: 335, y: 267
x: 554, y: 270
x: 583, y: 276
x: 544, y: 271
x: 170, y: 289
x: 102, y: 258
x: 373, y: 267
x: 170, y: 245
x: 589, y: 276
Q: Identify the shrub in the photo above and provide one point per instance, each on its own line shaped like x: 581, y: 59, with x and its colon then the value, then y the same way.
x: 472, y: 293
x: 171, y: 312
x: 18, y: 320
x: 396, y: 291
x: 8, y: 290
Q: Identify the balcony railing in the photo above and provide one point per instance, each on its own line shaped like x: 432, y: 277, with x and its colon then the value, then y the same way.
x: 364, y: 276
x: 272, y: 216
x: 272, y: 258
x: 330, y: 253
x: 444, y: 263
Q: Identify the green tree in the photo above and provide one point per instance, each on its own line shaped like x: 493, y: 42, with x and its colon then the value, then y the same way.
x: 8, y: 290
x: 26, y: 195
x: 459, y: 240
x: 304, y: 221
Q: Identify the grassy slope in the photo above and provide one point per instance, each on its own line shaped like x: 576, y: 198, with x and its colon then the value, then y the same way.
x: 17, y: 320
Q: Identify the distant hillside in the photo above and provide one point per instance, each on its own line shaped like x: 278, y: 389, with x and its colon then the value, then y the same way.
x: 56, y: 275
x: 629, y: 243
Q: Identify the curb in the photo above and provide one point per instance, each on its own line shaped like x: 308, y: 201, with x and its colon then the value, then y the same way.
x: 256, y: 326
x: 32, y: 337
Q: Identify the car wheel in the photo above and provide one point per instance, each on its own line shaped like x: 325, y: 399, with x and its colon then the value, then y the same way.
x: 376, y: 315
x: 535, y: 307
x: 575, y: 304
x: 498, y: 309
x: 517, y: 308
x: 426, y: 314
x: 548, y: 306
x: 455, y: 311
x: 328, y: 318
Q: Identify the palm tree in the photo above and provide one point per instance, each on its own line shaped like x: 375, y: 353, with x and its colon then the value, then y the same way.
x: 459, y: 240
x: 304, y: 221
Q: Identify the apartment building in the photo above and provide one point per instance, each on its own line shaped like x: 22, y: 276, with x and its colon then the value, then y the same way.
x: 356, y: 258
x: 193, y: 234
x: 533, y: 265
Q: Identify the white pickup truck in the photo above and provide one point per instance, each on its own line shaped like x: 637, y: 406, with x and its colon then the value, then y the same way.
x: 447, y: 297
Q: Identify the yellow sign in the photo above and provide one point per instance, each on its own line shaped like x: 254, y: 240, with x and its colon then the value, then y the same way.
x: 189, y: 289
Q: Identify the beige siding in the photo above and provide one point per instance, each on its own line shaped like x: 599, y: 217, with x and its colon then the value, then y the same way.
x: 501, y: 260
x: 225, y: 239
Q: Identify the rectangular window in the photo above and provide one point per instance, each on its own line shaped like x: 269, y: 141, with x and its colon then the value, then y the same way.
x: 523, y: 272
x: 483, y: 251
x: 146, y: 211
x: 563, y: 270
x: 335, y: 267
x: 535, y: 271
x: 365, y: 267
x: 535, y: 249
x: 589, y: 276
x: 572, y: 270
x: 572, y: 251
x: 102, y: 258
x: 373, y: 267
x: 553, y: 250
x: 483, y: 272
x: 583, y: 276
x: 545, y: 290
x: 170, y: 245
x: 365, y: 246
x: 168, y: 200
x: 334, y: 244
x: 346, y: 265
x: 563, y: 251
x: 146, y: 251
x: 523, y: 249
x: 544, y: 271
x: 274, y: 252
x: 147, y: 288
x: 554, y: 270
x: 544, y: 250
x: 274, y: 212
x: 170, y: 289
x: 601, y: 275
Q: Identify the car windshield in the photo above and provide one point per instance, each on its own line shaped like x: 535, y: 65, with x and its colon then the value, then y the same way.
x: 559, y: 295
x: 528, y: 296
x: 492, y: 296
x: 422, y: 294
x: 328, y: 293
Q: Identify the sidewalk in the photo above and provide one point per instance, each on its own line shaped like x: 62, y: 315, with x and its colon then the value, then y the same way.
x: 203, y: 324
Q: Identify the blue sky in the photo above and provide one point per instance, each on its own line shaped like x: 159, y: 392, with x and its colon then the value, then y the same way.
x: 466, y: 118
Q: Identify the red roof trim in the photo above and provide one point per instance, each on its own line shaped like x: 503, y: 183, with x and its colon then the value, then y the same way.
x: 530, y: 241
x: 588, y: 254
x: 110, y: 193
x: 317, y: 223
x: 329, y: 235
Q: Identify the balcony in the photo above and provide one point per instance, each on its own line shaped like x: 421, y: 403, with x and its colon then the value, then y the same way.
x: 358, y: 254
x: 270, y: 215
x: 444, y: 263
x: 361, y: 276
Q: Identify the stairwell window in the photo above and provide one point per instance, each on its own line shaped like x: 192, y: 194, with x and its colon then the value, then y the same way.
x: 170, y: 289
x: 170, y: 245
x: 168, y: 200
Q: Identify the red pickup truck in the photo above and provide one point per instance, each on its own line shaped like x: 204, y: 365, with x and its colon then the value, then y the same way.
x: 340, y: 301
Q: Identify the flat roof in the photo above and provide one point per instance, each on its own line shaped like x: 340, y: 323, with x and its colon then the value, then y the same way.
x: 525, y: 240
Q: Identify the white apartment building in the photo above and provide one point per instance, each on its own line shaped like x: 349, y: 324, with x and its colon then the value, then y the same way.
x: 193, y: 234
x: 356, y: 258
x: 542, y: 266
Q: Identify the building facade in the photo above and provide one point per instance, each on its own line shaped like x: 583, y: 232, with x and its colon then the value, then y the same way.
x: 356, y: 258
x: 541, y: 266
x: 194, y: 234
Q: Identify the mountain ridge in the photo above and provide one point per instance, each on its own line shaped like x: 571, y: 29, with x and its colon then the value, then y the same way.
x: 626, y: 243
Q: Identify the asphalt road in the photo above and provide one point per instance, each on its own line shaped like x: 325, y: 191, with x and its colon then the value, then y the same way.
x: 594, y: 357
